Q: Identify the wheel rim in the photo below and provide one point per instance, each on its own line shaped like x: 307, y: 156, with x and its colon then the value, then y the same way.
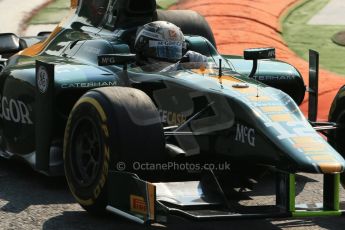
x: 86, y: 152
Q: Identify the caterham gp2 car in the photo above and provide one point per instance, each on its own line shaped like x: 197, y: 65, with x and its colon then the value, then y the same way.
x: 75, y: 103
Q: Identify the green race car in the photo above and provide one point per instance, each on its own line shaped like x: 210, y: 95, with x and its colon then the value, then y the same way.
x: 146, y: 142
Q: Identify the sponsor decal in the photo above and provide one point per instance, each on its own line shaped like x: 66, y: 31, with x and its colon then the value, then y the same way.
x: 104, y: 60
x: 245, y: 135
x: 165, y: 43
x: 271, y: 54
x: 149, y: 34
x: 14, y: 110
x: 88, y: 84
x: 138, y: 204
x: 172, y: 118
x: 274, y: 78
x: 42, y: 79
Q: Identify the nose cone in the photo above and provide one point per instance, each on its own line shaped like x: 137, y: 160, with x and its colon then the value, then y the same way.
x: 315, y: 151
x: 308, y: 151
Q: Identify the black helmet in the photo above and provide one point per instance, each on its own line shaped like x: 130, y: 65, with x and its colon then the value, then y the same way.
x: 160, y: 40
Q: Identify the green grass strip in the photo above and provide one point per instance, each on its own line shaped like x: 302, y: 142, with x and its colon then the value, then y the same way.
x: 165, y: 4
x: 301, y: 37
x: 52, y: 14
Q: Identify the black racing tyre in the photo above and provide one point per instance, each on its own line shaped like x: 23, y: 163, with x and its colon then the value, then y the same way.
x: 106, y: 126
x: 336, y: 137
x: 189, y: 21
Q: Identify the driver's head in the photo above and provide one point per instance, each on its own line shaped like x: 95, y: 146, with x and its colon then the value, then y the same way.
x: 161, y: 41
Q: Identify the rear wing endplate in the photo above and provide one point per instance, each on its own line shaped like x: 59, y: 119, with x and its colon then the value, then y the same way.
x: 313, y: 85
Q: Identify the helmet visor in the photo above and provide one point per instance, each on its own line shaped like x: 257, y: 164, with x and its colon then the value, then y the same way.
x: 169, y: 50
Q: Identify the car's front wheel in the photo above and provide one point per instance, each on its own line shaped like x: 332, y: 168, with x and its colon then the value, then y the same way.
x: 107, y: 126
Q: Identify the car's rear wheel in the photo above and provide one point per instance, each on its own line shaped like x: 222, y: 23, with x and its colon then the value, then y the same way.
x: 189, y: 21
x: 106, y: 126
x: 336, y: 137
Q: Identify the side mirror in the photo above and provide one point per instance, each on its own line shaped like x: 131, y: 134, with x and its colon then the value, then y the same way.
x: 116, y: 59
x: 9, y: 43
x: 258, y: 54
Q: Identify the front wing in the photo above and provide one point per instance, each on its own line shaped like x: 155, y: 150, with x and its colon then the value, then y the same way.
x: 205, y: 200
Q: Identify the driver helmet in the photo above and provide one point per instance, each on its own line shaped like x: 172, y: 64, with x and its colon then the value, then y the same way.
x: 159, y: 40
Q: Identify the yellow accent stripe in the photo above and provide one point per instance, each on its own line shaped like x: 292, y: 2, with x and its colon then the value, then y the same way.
x: 204, y: 71
x: 102, y: 181
x: 260, y: 99
x: 38, y: 48
x: 330, y: 167
x: 318, y: 152
x: 228, y: 79
x: 268, y: 109
x: 95, y: 103
x: 305, y: 140
x: 87, y: 202
x: 310, y: 145
x: 313, y: 149
x: 282, y: 118
x: 105, y: 130
x: 247, y: 91
x: 323, y: 158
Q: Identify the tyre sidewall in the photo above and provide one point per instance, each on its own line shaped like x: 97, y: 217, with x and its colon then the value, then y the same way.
x: 94, y: 194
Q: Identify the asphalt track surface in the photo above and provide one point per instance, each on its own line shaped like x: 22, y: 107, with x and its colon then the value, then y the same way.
x: 29, y: 201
